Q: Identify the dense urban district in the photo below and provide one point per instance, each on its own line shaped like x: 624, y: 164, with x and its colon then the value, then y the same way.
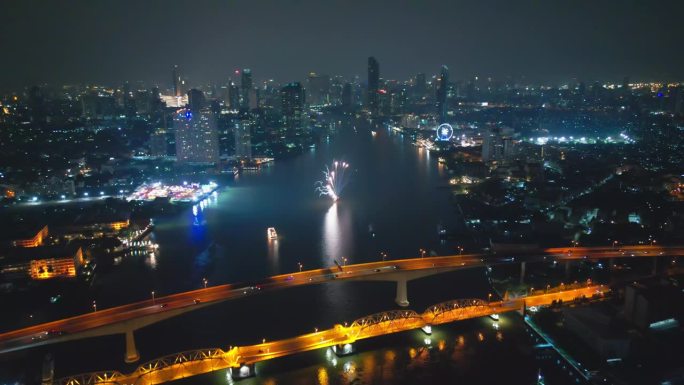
x: 583, y: 178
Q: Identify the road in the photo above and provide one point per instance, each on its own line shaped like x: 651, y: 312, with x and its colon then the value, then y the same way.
x: 187, y: 364
x: 41, y: 333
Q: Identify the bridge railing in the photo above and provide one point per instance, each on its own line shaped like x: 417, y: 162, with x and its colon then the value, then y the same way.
x: 95, y: 378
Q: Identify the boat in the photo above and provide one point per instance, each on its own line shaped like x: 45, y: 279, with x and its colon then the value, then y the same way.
x: 271, y: 232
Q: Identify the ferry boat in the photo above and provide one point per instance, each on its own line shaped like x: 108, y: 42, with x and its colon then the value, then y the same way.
x: 271, y: 232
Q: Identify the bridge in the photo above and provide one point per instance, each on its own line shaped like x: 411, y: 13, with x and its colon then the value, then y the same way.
x: 126, y: 319
x: 240, y: 360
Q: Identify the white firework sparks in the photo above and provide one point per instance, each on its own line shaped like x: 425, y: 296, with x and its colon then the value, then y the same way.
x: 334, y: 180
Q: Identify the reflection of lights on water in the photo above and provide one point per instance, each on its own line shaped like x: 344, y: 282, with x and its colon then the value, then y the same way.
x: 194, y: 210
x: 151, y: 261
x: 460, y: 341
x: 499, y: 336
x: 495, y: 325
x: 334, y: 362
x: 480, y: 337
x: 441, y: 345
x: 322, y: 376
x: 412, y: 353
x: 427, y: 341
x: 229, y: 377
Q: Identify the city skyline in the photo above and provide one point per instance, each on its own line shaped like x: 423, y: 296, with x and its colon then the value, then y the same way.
x: 286, y: 41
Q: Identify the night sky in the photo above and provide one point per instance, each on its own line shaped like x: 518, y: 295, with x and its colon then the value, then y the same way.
x: 93, y: 41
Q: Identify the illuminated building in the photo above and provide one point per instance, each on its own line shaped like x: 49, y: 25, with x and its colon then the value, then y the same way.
x: 292, y: 107
x: 233, y: 96
x: 173, y: 101
x: 29, y: 237
x: 442, y: 84
x: 196, y: 136
x: 188, y: 192
x: 177, y: 82
x: 498, y: 144
x: 158, y: 145
x: 39, y: 263
x: 318, y: 89
x: 246, y: 87
x: 243, y: 139
x: 373, y: 85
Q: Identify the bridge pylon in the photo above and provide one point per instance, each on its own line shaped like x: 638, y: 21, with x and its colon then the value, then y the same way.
x: 402, y: 293
x: 132, y: 354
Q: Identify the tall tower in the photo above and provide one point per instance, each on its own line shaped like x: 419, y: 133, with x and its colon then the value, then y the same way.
x: 292, y: 106
x: 373, y: 85
x: 442, y: 84
x: 177, y: 81
x: 246, y: 87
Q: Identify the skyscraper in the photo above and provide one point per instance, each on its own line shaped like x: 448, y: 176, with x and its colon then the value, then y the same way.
x: 233, y: 96
x: 177, y: 81
x: 347, y: 96
x: 243, y: 139
x: 196, y: 100
x: 373, y: 85
x: 246, y: 86
x: 442, y: 85
x: 318, y: 89
x: 419, y: 86
x: 196, y: 136
x: 292, y: 106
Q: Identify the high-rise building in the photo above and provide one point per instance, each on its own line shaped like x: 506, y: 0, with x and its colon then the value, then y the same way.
x: 419, y: 88
x: 246, y: 87
x: 373, y: 85
x: 243, y: 139
x: 498, y: 144
x: 234, y: 96
x: 196, y: 136
x: 347, y: 96
x: 442, y: 86
x: 196, y: 100
x: 292, y: 107
x: 158, y: 144
x: 177, y: 82
x: 318, y: 89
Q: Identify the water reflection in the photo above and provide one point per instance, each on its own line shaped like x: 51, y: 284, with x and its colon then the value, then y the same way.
x: 274, y: 255
x: 337, y: 234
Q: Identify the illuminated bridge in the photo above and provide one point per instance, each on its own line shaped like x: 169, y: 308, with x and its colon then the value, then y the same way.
x: 240, y: 360
x: 126, y: 319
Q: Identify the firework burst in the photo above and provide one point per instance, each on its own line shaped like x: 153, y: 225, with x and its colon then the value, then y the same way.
x: 334, y: 180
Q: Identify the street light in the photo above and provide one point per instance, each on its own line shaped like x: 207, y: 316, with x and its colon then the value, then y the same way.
x: 384, y: 255
x: 204, y: 280
x: 460, y: 250
x: 615, y: 244
x: 152, y: 297
x: 344, y: 261
x: 94, y: 305
x: 489, y: 297
x: 300, y: 266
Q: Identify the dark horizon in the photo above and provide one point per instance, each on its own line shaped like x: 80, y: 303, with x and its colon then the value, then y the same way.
x: 83, y: 42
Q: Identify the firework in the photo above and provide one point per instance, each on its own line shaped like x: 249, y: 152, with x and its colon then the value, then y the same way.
x: 334, y: 180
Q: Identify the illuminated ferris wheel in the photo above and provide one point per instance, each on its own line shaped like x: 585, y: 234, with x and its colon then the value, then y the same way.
x: 445, y: 132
